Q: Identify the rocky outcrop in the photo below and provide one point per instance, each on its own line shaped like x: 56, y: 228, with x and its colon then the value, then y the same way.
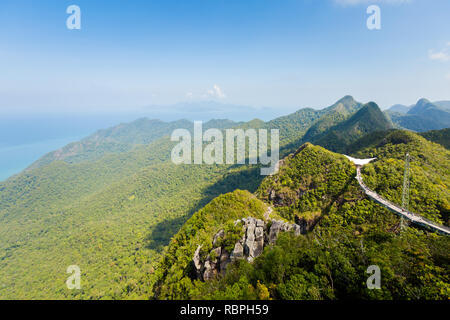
x: 283, y: 199
x: 252, y: 243
x: 257, y: 235
x: 280, y: 226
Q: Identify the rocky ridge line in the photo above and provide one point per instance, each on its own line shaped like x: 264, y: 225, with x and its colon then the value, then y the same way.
x: 257, y: 235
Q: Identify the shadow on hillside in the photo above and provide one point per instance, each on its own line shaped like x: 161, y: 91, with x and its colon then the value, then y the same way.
x: 159, y: 235
x: 248, y: 179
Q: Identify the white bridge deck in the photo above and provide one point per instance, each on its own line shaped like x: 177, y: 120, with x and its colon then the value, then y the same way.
x: 414, y: 218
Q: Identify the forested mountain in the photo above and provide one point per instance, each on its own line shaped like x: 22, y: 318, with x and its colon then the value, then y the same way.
x: 111, y: 216
x: 423, y: 116
x: 122, y: 138
x: 111, y: 202
x: 426, y: 108
x: 366, y: 120
x: 332, y: 115
x: 345, y: 231
x: 294, y: 126
x: 439, y: 136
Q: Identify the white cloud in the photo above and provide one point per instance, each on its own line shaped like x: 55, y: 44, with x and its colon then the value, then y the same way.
x: 216, y: 92
x: 358, y: 2
x: 443, y: 55
x: 440, y: 56
x: 447, y: 76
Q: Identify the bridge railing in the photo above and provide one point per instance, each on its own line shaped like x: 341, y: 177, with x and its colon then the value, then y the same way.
x: 418, y: 218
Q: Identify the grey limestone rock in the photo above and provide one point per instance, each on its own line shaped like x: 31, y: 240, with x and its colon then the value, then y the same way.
x: 257, y: 235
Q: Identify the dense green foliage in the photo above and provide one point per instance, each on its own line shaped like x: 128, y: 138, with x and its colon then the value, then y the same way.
x: 111, y: 216
x: 114, y: 234
x: 304, y: 189
x: 175, y: 271
x: 333, y: 264
x: 294, y: 126
x: 430, y: 172
x: 122, y: 138
x: 112, y: 202
x: 110, y: 210
x: 439, y: 136
x: 332, y: 116
x: 352, y: 233
x: 366, y: 120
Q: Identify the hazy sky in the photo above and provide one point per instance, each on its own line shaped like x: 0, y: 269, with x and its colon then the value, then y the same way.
x: 275, y: 53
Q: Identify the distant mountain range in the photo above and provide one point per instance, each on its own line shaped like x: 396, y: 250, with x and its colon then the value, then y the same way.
x: 330, y: 127
x: 423, y: 116
x: 400, y: 108
x: 342, y: 125
x: 333, y: 127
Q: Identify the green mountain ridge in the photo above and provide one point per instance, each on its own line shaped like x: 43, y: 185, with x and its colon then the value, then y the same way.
x: 333, y: 115
x: 122, y: 138
x: 438, y: 136
x: 351, y: 234
x: 366, y: 120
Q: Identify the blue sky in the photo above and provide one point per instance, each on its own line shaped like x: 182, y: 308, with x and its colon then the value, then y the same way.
x: 282, y: 54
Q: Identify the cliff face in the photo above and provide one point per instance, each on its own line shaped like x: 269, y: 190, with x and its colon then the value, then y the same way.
x: 257, y: 235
